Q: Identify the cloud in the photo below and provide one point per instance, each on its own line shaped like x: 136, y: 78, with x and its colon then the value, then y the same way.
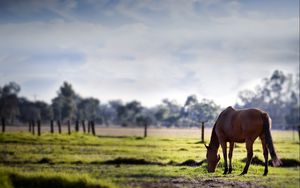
x: 146, y: 50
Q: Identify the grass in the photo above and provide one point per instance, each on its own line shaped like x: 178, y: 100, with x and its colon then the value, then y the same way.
x: 79, y: 160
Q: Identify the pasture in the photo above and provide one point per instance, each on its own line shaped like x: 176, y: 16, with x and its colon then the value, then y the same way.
x: 119, y: 157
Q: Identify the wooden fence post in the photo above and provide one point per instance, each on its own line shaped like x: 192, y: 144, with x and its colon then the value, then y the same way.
x: 33, y: 126
x: 89, y: 126
x: 93, y: 128
x: 145, y: 129
x: 77, y: 125
x: 3, y: 124
x: 83, y: 125
x: 69, y: 127
x: 39, y: 127
x: 202, y: 132
x: 59, y: 126
x: 51, y: 126
x: 30, y: 126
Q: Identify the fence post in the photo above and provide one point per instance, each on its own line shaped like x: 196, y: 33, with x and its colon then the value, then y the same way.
x: 51, y: 126
x: 83, y: 125
x: 77, y: 125
x: 202, y: 132
x: 30, y: 125
x: 69, y: 127
x: 93, y: 128
x: 33, y: 126
x: 59, y: 126
x: 39, y: 127
x: 3, y: 124
x: 145, y: 129
x: 89, y: 126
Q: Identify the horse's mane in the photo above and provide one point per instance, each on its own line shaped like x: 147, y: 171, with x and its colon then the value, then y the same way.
x: 214, y: 141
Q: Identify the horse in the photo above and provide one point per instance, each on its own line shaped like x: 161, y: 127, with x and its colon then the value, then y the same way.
x: 240, y: 126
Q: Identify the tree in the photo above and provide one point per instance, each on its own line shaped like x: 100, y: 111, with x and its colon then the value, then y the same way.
x: 45, y: 110
x: 127, y: 113
x: 91, y: 108
x: 278, y: 95
x: 172, y: 112
x: 69, y: 106
x: 144, y: 118
x: 88, y: 109
x: 292, y: 117
x: 64, y: 105
x: 196, y: 112
x: 9, y: 102
x: 115, y: 109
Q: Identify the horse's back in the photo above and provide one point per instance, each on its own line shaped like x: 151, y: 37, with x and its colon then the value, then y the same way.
x: 238, y: 125
x: 251, y: 121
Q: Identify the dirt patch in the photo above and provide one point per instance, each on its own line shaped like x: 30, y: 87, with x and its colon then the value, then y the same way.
x: 193, y: 183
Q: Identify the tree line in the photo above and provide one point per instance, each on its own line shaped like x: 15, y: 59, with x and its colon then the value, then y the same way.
x: 278, y: 95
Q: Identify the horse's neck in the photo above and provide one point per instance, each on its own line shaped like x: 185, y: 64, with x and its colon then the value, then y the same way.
x: 214, y: 141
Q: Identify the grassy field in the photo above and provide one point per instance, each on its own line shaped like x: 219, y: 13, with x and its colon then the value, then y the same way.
x: 164, y: 159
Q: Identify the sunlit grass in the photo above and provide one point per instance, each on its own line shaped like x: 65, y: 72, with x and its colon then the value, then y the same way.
x: 81, y: 158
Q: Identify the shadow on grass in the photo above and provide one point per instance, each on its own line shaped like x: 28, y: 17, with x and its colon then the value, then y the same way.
x: 45, y: 160
x: 129, y: 161
x: 134, y: 161
x: 189, y: 162
x: 285, y: 162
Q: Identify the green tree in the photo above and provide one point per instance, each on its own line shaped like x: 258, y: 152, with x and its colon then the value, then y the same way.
x: 9, y: 102
x: 64, y: 105
x: 195, y: 112
x: 127, y: 113
x: 278, y: 95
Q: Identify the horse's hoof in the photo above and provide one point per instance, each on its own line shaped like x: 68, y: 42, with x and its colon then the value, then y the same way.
x: 266, y: 173
x: 243, y: 173
x: 225, y: 171
x: 230, y: 170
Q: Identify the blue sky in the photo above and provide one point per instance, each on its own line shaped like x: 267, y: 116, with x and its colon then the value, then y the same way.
x: 146, y: 49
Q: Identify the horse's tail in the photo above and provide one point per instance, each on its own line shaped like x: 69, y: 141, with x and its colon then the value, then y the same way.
x: 267, y: 131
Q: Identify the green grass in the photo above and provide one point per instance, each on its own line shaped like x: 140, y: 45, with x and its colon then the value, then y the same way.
x: 78, y: 160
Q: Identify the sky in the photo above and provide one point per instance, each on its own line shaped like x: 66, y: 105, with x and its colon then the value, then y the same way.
x: 146, y: 50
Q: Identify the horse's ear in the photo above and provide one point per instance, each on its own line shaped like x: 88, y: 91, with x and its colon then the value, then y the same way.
x: 206, y: 146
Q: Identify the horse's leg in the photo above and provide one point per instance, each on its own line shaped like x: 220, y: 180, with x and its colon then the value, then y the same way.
x: 224, y: 149
x: 265, y: 152
x: 230, y: 156
x: 249, y: 147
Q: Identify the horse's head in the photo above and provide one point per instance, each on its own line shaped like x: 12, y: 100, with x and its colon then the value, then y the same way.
x: 213, y: 159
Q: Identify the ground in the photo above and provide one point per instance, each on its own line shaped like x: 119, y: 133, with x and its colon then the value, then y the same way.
x: 167, y: 158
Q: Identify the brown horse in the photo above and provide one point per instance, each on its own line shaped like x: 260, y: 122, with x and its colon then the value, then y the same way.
x: 240, y: 126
